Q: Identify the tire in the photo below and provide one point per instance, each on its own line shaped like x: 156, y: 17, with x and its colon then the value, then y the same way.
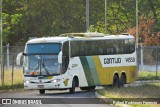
x: 92, y: 87
x: 41, y: 91
x: 83, y: 88
x: 88, y: 88
x: 116, y: 81
x: 72, y: 90
x: 122, y: 80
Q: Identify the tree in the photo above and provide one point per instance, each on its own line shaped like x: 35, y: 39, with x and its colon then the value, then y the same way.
x: 37, y: 18
x: 146, y: 36
x: 12, y: 19
x: 120, y: 15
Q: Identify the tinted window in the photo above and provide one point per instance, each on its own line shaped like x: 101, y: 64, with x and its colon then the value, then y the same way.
x: 65, y: 56
x: 102, y: 47
x: 43, y: 48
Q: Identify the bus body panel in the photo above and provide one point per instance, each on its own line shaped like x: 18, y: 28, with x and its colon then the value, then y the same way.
x: 92, y: 71
x: 76, y: 69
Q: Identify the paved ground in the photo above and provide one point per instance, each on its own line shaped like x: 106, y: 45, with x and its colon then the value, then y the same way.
x: 81, y: 98
x: 63, y: 98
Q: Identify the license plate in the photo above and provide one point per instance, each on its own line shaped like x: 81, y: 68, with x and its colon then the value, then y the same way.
x: 40, y: 86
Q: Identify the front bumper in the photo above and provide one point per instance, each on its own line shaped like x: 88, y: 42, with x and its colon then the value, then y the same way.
x: 42, y: 85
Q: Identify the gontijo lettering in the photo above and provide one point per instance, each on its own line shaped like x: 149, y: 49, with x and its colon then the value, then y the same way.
x: 112, y: 60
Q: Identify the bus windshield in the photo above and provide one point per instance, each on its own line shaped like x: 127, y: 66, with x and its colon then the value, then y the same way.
x: 42, y: 59
x: 41, y: 65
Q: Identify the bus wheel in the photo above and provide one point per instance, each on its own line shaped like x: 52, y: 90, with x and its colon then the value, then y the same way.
x: 72, y: 90
x: 88, y: 88
x: 116, y: 81
x: 92, y: 87
x: 123, y: 80
x: 41, y: 91
x: 83, y: 88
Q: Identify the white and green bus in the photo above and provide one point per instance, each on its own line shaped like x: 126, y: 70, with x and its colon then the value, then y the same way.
x: 84, y: 60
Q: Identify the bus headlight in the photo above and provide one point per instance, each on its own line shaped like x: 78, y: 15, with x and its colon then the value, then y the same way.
x: 56, y: 80
x: 27, y: 82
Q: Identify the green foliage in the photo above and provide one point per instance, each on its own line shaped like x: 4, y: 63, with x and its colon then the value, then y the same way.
x: 15, y: 19
x: 10, y: 25
x: 36, y: 18
x: 98, y: 28
x: 6, y: 26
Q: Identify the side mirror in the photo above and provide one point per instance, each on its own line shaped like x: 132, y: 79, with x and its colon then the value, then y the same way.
x: 60, y: 57
x: 18, y: 59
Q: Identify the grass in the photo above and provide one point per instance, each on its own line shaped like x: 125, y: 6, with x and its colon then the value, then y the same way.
x: 146, y: 75
x: 17, y: 80
x: 150, y: 90
x: 145, y: 91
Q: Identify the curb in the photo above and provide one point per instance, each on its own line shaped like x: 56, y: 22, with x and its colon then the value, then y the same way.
x: 99, y: 96
x: 105, y: 99
x: 138, y: 83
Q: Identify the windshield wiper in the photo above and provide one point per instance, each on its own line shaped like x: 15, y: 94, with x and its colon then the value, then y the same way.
x: 36, y: 67
x: 45, y: 67
x: 40, y: 61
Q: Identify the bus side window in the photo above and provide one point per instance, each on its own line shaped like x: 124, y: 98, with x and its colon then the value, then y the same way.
x: 100, y: 47
x: 65, y: 56
x: 129, y: 46
x: 89, y: 47
x: 75, y: 48
x: 111, y: 50
x: 95, y: 48
x: 132, y: 48
x: 132, y: 45
x: 83, y: 48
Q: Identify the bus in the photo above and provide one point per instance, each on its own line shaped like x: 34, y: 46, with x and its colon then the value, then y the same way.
x: 84, y: 60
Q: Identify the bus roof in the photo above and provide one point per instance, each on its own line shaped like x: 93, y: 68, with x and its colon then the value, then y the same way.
x: 88, y: 34
x: 56, y: 39
x: 78, y: 36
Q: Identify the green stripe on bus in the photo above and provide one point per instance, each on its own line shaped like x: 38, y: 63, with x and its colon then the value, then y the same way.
x: 87, y: 71
x: 93, y: 70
